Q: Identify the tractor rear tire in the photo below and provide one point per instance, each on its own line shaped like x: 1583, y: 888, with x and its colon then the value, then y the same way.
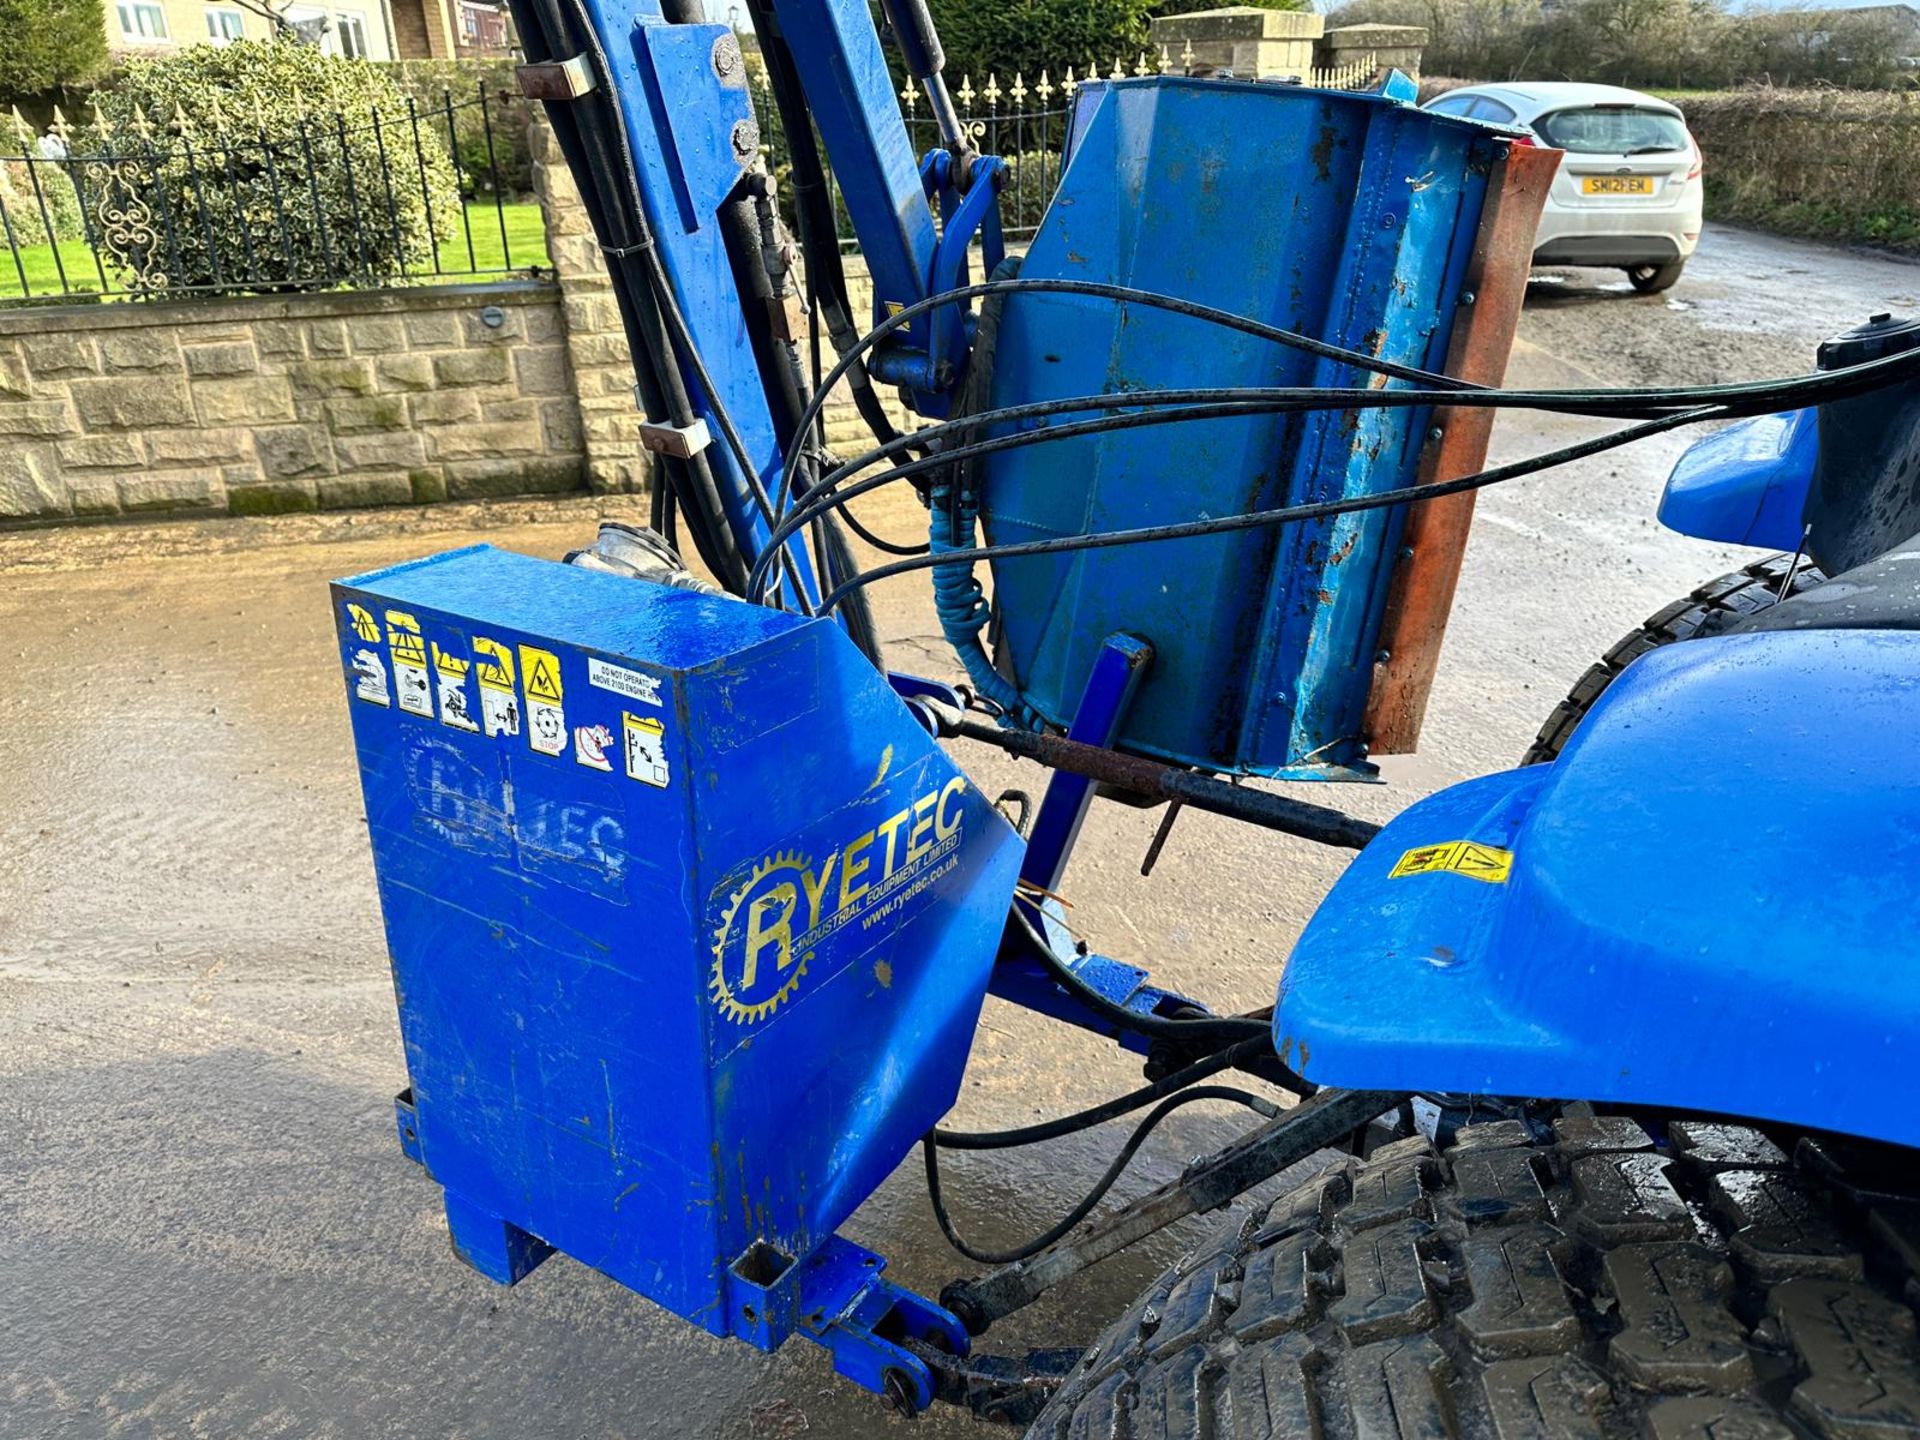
x: 1574, y: 1283
x: 1707, y: 611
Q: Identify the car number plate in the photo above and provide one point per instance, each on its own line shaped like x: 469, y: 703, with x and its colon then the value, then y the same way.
x: 1616, y: 184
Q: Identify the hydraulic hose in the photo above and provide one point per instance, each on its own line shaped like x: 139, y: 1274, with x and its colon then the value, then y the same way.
x: 619, y: 222
x: 813, y: 213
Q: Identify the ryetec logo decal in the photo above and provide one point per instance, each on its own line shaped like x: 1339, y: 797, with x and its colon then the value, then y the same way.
x: 773, y: 921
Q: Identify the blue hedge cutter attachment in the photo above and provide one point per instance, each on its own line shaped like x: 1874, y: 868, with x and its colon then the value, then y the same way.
x: 691, y: 917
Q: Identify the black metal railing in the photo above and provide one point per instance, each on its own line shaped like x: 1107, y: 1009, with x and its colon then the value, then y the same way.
x: 1026, y: 125
x: 135, y: 207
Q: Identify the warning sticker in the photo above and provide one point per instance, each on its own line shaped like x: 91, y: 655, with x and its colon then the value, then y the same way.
x: 363, y: 624
x: 622, y: 681
x: 499, y: 701
x: 546, y: 720
x: 455, y: 707
x: 590, y: 744
x: 1461, y: 857
x: 646, y: 749
x: 370, y: 676
x: 409, y: 663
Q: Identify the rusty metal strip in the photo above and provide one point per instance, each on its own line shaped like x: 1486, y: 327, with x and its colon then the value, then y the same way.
x: 1435, y: 539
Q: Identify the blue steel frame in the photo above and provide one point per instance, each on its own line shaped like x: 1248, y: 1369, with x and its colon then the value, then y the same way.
x: 690, y: 125
x: 688, y: 119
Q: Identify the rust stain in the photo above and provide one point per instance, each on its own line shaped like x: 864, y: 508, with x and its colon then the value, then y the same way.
x: 1435, y: 537
x: 1322, y: 152
x: 883, y: 972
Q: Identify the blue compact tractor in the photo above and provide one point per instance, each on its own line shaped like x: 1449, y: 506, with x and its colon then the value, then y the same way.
x: 1608, y: 1060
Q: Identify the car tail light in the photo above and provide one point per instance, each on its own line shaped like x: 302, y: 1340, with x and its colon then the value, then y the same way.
x: 1699, y: 160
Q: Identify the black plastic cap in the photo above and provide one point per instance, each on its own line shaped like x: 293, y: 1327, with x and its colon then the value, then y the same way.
x: 1882, y: 335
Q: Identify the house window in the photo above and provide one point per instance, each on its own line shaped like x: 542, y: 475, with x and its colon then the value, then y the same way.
x: 141, y: 22
x: 350, y: 30
x: 224, y: 26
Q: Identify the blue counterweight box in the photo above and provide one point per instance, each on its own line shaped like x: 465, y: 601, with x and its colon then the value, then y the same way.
x: 690, y: 922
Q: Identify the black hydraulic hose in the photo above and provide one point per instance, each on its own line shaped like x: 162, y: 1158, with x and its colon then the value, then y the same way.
x: 1744, y: 398
x: 620, y: 225
x: 1080, y: 1211
x: 1219, y: 1030
x: 843, y: 493
x: 653, y: 299
x: 622, y: 177
x: 1262, y: 519
x: 813, y: 211
x: 1100, y: 289
x: 885, y: 546
x: 1454, y: 387
x: 1109, y: 1110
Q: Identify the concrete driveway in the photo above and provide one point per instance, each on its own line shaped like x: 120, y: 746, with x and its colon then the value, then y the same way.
x: 206, y: 1227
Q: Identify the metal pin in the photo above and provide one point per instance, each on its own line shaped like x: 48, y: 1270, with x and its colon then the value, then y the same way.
x: 1160, y: 837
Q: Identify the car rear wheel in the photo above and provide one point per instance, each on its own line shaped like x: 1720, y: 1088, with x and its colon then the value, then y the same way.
x: 1707, y: 611
x: 1652, y: 279
x: 1571, y: 1280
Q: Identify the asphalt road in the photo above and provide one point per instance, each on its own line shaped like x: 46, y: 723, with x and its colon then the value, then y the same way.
x: 206, y: 1227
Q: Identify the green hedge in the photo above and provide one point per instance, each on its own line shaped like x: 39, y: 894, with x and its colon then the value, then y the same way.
x: 1834, y: 165
x: 435, y: 83
x: 262, y: 166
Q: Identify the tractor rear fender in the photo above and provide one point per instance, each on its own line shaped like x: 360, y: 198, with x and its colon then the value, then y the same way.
x: 1707, y: 902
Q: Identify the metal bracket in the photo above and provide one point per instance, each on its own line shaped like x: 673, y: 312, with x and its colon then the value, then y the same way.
x: 1117, y: 671
x: 407, y: 1121
x: 838, y: 1298
x: 946, y: 331
x: 999, y: 1388
x: 556, y: 79
x: 1205, y: 1185
x: 682, y: 442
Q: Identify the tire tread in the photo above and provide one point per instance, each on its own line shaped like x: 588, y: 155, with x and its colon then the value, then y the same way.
x: 1707, y: 611
x: 1577, y: 1282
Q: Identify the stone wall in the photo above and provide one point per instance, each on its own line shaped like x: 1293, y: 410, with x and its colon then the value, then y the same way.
x: 596, y: 339
x: 1248, y: 42
x: 268, y: 404
x: 1385, y: 47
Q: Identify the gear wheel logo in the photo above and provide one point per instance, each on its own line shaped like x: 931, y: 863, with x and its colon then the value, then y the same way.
x: 758, y: 959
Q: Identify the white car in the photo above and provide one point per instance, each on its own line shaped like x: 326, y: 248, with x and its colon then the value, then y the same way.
x: 1627, y: 195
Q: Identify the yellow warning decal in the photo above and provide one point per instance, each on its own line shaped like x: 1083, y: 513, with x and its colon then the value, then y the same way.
x: 454, y: 667
x: 364, y: 625
x: 542, y: 669
x: 1462, y: 857
x: 403, y: 634
x: 495, y: 663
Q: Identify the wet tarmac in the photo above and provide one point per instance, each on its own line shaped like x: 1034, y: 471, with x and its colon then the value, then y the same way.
x: 206, y: 1226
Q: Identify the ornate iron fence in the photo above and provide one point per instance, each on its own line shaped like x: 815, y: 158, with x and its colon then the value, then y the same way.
x: 145, y: 208
x: 1024, y: 123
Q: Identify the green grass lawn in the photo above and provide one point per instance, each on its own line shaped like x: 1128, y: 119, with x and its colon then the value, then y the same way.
x: 524, y: 246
